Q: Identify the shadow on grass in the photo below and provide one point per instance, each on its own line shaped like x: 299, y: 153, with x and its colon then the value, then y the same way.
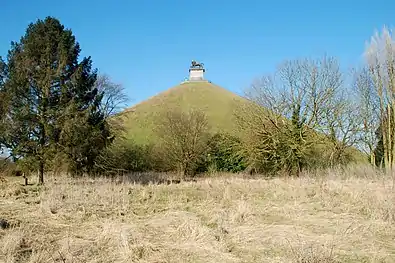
x: 146, y: 178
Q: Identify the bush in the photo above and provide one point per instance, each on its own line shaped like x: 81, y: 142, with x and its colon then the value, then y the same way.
x: 124, y: 158
x: 7, y: 167
x: 183, y: 139
x: 223, y: 155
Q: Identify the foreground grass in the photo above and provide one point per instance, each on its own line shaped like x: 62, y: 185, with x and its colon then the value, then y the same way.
x: 335, y: 217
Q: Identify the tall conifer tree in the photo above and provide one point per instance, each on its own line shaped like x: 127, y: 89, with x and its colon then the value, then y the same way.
x: 51, y: 96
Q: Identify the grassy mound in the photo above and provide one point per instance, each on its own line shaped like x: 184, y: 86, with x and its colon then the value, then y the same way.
x: 216, y: 102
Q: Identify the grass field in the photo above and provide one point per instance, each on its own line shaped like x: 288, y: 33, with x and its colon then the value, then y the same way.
x: 330, y: 217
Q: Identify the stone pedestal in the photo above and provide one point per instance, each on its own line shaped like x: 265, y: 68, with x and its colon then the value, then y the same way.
x: 196, y: 74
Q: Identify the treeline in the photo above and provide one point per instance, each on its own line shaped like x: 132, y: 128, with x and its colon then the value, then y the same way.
x: 58, y: 114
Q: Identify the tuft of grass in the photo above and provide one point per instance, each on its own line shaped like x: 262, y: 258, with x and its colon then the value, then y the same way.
x: 312, y: 253
x: 344, y: 215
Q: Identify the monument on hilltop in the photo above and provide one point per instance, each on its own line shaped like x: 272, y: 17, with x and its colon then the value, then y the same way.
x: 196, y: 71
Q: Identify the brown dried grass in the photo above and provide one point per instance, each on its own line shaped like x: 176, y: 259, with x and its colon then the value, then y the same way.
x: 333, y: 216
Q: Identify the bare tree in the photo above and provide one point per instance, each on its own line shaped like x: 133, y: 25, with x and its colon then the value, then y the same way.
x: 342, y: 123
x: 270, y: 143
x: 113, y: 102
x: 114, y: 98
x: 306, y: 86
x: 183, y: 137
x: 289, y: 107
x: 368, y: 104
x: 380, y: 57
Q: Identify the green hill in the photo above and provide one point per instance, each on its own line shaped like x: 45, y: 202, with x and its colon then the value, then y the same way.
x: 216, y: 102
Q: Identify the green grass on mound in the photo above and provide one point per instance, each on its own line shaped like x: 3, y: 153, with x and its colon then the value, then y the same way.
x: 216, y: 102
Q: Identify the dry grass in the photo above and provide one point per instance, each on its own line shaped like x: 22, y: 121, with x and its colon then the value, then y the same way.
x: 334, y: 217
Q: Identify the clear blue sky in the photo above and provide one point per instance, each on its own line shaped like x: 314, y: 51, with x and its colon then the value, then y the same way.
x: 147, y: 45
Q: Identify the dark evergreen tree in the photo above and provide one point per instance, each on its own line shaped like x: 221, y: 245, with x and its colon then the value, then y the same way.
x: 53, y: 100
x: 3, y: 103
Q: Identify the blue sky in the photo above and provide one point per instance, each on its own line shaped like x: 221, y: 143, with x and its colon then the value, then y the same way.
x: 147, y: 45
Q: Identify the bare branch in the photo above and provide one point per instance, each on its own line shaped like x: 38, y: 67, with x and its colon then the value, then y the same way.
x: 380, y: 57
x: 183, y: 138
x: 302, y: 96
x: 114, y: 98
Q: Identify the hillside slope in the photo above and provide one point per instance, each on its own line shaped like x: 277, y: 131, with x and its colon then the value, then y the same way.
x: 216, y: 102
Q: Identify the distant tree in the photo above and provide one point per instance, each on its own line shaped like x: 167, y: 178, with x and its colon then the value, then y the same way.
x: 368, y: 112
x: 342, y: 119
x: 114, y: 96
x: 183, y: 139
x: 380, y: 58
x: 53, y: 102
x: 114, y: 100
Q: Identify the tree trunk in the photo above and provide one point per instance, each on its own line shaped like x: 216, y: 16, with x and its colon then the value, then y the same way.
x: 41, y: 173
x: 372, y: 158
x: 385, y: 139
x: 42, y: 145
x: 389, y: 144
x: 392, y: 110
